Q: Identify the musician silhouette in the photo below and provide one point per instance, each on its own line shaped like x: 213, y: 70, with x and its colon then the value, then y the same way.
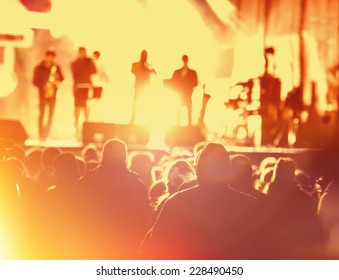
x: 142, y: 72
x: 101, y: 76
x: 46, y: 77
x: 270, y: 88
x: 82, y: 70
x: 184, y: 80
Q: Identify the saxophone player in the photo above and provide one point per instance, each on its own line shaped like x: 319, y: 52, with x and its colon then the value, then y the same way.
x: 46, y: 77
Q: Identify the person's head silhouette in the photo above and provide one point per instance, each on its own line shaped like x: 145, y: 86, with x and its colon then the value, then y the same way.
x: 213, y: 165
x: 114, y: 153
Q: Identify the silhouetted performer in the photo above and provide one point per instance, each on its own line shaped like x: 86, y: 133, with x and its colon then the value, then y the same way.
x: 142, y: 72
x: 183, y: 81
x: 46, y: 77
x: 82, y: 69
x: 270, y: 88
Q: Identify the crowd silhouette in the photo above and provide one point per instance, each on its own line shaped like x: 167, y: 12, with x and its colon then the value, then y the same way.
x: 109, y: 203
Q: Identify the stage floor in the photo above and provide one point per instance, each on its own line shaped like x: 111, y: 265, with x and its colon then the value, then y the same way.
x: 74, y: 143
x: 302, y: 156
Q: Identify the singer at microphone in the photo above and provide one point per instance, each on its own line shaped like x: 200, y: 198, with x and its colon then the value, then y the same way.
x: 142, y: 71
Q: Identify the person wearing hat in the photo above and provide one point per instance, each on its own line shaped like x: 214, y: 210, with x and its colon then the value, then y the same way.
x: 46, y: 77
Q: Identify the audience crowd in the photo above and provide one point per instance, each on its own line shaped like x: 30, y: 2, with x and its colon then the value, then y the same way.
x: 204, y: 203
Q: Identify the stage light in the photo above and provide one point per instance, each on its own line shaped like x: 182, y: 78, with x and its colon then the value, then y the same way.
x: 243, y: 95
x: 160, y: 113
x: 241, y: 133
x: 304, y: 116
x: 291, y: 135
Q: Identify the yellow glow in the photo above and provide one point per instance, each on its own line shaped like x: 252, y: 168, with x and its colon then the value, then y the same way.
x: 291, y: 136
x: 253, y: 124
x: 9, y: 232
x: 120, y: 33
x: 8, y: 80
x: 121, y: 30
x: 224, y: 9
x: 11, y: 11
x: 241, y: 133
x: 248, y: 64
x: 161, y: 116
x: 3, y: 246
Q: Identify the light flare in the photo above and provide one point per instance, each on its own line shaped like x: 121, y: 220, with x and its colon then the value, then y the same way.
x: 120, y: 33
x: 158, y: 110
x: 121, y: 30
x: 8, y: 79
x: 3, y: 246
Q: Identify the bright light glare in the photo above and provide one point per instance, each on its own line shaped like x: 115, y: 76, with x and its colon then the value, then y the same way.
x: 8, y: 80
x: 159, y: 112
x: 241, y: 133
x: 120, y: 31
x: 3, y: 245
x: 224, y: 9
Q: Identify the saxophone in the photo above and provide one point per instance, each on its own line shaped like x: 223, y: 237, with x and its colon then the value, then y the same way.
x: 50, y: 89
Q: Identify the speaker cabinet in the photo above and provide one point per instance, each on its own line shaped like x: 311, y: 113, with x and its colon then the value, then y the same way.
x: 101, y: 132
x: 14, y: 130
x: 184, y: 136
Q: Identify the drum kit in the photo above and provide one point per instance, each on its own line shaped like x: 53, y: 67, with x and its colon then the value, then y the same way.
x: 251, y: 104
